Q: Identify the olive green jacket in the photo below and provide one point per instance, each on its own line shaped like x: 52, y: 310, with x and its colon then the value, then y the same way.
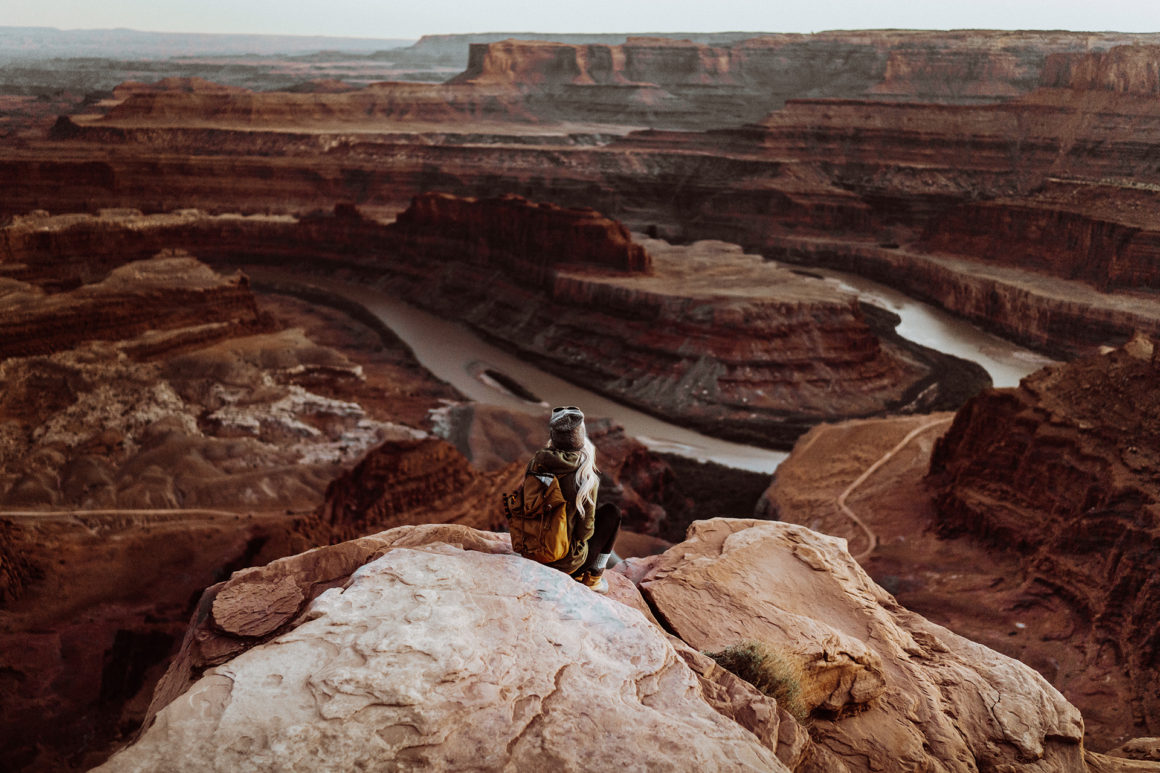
x: 563, y: 465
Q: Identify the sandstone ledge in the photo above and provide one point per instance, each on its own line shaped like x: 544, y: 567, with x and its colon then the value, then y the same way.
x: 402, y: 635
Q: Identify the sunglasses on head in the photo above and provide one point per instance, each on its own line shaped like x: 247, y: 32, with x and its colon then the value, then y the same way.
x: 565, y: 408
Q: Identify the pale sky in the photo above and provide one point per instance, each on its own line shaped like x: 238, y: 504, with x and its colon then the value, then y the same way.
x: 413, y: 18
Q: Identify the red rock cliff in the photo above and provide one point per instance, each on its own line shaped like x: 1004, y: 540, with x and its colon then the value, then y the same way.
x: 526, y: 239
x: 406, y: 482
x: 1063, y: 471
x: 138, y: 297
x: 1122, y: 69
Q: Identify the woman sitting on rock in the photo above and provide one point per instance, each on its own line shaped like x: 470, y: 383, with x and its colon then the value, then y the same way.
x: 571, y: 458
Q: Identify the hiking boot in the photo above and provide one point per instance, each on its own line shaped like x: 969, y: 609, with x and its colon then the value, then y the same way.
x: 595, y: 581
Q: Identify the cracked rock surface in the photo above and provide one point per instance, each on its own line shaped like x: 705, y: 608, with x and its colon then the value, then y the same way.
x: 436, y: 657
x: 435, y: 648
x: 889, y: 690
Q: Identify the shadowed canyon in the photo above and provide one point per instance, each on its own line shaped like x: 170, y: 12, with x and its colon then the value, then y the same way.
x: 250, y: 520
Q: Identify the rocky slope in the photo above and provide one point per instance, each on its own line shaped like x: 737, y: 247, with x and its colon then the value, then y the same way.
x: 156, y: 426
x: 157, y: 387
x: 93, y: 605
x: 553, y: 674
x: 865, y: 481
x: 411, y: 482
x: 1061, y: 472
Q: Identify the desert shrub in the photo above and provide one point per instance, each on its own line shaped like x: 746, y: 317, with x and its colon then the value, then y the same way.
x: 771, y: 673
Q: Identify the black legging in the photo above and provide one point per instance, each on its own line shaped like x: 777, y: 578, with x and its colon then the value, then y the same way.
x: 605, y: 528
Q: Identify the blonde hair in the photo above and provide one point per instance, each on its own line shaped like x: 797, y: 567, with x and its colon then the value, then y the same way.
x: 587, y: 476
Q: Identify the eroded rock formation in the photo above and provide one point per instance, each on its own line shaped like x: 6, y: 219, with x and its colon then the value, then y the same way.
x: 414, y: 481
x: 703, y: 335
x: 1061, y: 471
x: 874, y: 674
x: 148, y: 296
x: 363, y: 611
x: 707, y: 336
x: 651, y: 81
x: 1122, y: 69
x: 154, y: 388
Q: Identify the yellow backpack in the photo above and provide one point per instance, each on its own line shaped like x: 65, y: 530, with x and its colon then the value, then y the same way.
x: 538, y: 518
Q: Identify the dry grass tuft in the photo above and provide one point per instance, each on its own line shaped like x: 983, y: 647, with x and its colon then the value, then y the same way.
x: 768, y: 671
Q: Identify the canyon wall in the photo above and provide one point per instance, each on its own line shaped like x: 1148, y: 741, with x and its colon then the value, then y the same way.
x: 526, y: 240
x: 1058, y: 182
x: 658, y: 81
x: 145, y: 296
x: 1061, y: 471
x: 1050, y: 315
x: 710, y: 337
x: 376, y: 103
x: 1068, y: 242
x: 1122, y: 69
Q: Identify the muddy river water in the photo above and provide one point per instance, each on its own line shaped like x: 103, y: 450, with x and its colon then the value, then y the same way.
x: 459, y: 356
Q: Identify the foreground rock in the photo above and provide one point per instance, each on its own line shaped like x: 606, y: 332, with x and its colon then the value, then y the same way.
x: 959, y: 582
x: 1062, y: 472
x: 434, y: 647
x: 888, y: 689
x: 157, y: 424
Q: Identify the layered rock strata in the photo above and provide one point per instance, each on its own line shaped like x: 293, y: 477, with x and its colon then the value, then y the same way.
x: 703, y: 335
x: 365, y: 609
x: 146, y: 296
x: 1122, y: 69
x: 377, y: 103
x: 865, y: 481
x: 153, y: 389
x: 519, y: 237
x: 1062, y: 471
x: 654, y: 81
x: 1056, y: 182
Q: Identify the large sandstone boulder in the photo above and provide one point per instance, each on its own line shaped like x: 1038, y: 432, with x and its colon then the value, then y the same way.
x: 888, y: 689
x: 447, y: 652
x: 435, y: 648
